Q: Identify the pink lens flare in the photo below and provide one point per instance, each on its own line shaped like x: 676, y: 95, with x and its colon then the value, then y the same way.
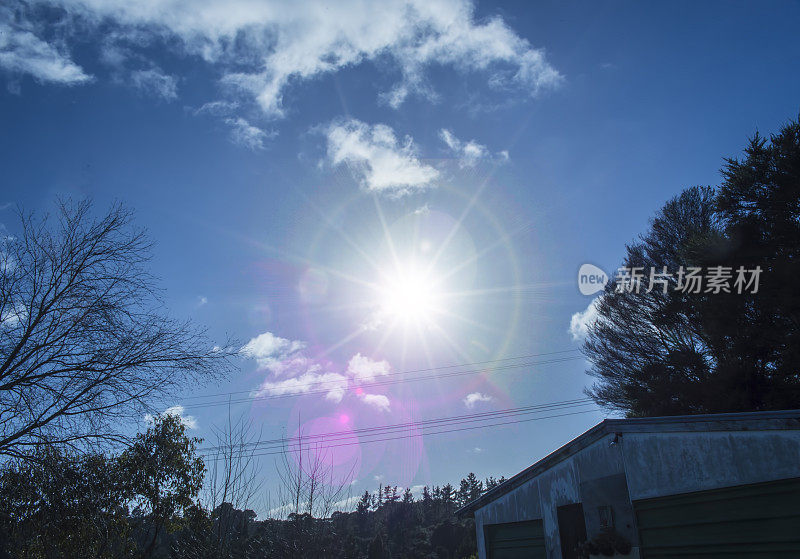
x: 329, y: 443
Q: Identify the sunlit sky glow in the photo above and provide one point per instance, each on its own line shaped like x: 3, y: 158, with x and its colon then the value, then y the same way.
x: 387, y: 203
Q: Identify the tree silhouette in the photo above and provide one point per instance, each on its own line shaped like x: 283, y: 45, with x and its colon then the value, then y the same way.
x: 83, y: 343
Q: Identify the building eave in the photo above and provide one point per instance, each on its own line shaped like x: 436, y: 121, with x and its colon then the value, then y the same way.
x: 740, y: 421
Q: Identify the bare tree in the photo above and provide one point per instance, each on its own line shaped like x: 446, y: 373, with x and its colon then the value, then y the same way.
x: 84, y: 340
x: 309, y: 483
x: 309, y: 488
x: 233, y: 477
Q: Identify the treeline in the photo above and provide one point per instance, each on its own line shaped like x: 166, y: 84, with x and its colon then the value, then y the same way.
x: 148, y: 502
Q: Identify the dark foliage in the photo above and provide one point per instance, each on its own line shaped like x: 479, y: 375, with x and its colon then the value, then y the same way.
x: 143, y: 503
x: 657, y: 353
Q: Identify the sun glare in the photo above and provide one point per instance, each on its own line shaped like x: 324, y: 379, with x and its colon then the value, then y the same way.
x: 409, y: 294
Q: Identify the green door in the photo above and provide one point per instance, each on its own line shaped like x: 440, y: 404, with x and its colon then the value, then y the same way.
x: 515, y: 540
x: 747, y: 521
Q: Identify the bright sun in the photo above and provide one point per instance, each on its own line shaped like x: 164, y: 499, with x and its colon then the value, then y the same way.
x: 409, y: 294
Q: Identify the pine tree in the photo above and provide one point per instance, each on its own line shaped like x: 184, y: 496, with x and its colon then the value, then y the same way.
x: 474, y: 487
x: 364, y: 504
x: 462, y: 495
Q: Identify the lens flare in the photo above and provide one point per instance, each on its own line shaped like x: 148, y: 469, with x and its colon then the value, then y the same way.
x: 409, y: 295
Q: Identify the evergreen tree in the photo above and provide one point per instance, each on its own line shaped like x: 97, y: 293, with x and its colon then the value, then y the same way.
x: 706, y: 351
x: 474, y: 487
x: 364, y: 504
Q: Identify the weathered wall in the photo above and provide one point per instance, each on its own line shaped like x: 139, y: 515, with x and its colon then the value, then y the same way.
x: 659, y: 464
x: 638, y: 466
x: 573, y: 480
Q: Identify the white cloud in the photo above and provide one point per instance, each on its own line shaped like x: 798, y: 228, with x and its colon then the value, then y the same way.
x: 377, y: 158
x: 245, y: 134
x: 264, y: 47
x: 154, y: 82
x: 22, y: 52
x: 471, y: 152
x: 580, y: 321
x: 291, y: 371
x: 476, y: 450
x: 268, y: 349
x: 281, y: 512
x: 347, y: 505
x: 471, y: 399
x: 362, y: 368
x: 378, y: 401
x: 188, y: 421
x: 333, y: 384
x: 217, y: 108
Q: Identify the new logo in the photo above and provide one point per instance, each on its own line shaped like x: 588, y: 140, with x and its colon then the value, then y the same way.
x: 591, y: 279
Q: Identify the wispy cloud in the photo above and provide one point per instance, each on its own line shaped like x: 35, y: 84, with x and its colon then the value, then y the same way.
x: 23, y: 52
x: 245, y: 134
x: 580, y: 322
x: 472, y: 399
x: 333, y: 384
x: 380, y: 161
x: 156, y: 83
x: 469, y: 153
x: 262, y: 47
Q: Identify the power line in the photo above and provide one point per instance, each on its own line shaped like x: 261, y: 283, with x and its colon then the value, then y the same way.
x: 412, y: 424
x: 412, y: 435
x: 324, y: 440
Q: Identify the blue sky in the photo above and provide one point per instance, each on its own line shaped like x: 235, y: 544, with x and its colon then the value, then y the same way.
x: 299, y: 165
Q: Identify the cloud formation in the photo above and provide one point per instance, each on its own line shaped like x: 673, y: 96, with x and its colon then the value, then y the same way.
x: 262, y: 48
x: 376, y: 157
x: 292, y: 371
x: 469, y: 153
x: 268, y: 349
x: 245, y: 134
x: 156, y: 83
x: 333, y: 384
x: 188, y: 421
x: 22, y: 52
x: 378, y: 401
x: 471, y: 399
x: 581, y: 321
x: 364, y: 369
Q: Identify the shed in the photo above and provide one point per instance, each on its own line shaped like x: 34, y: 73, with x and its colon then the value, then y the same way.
x: 710, y: 486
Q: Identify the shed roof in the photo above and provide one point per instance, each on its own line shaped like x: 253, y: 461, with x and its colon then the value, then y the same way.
x: 741, y: 421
